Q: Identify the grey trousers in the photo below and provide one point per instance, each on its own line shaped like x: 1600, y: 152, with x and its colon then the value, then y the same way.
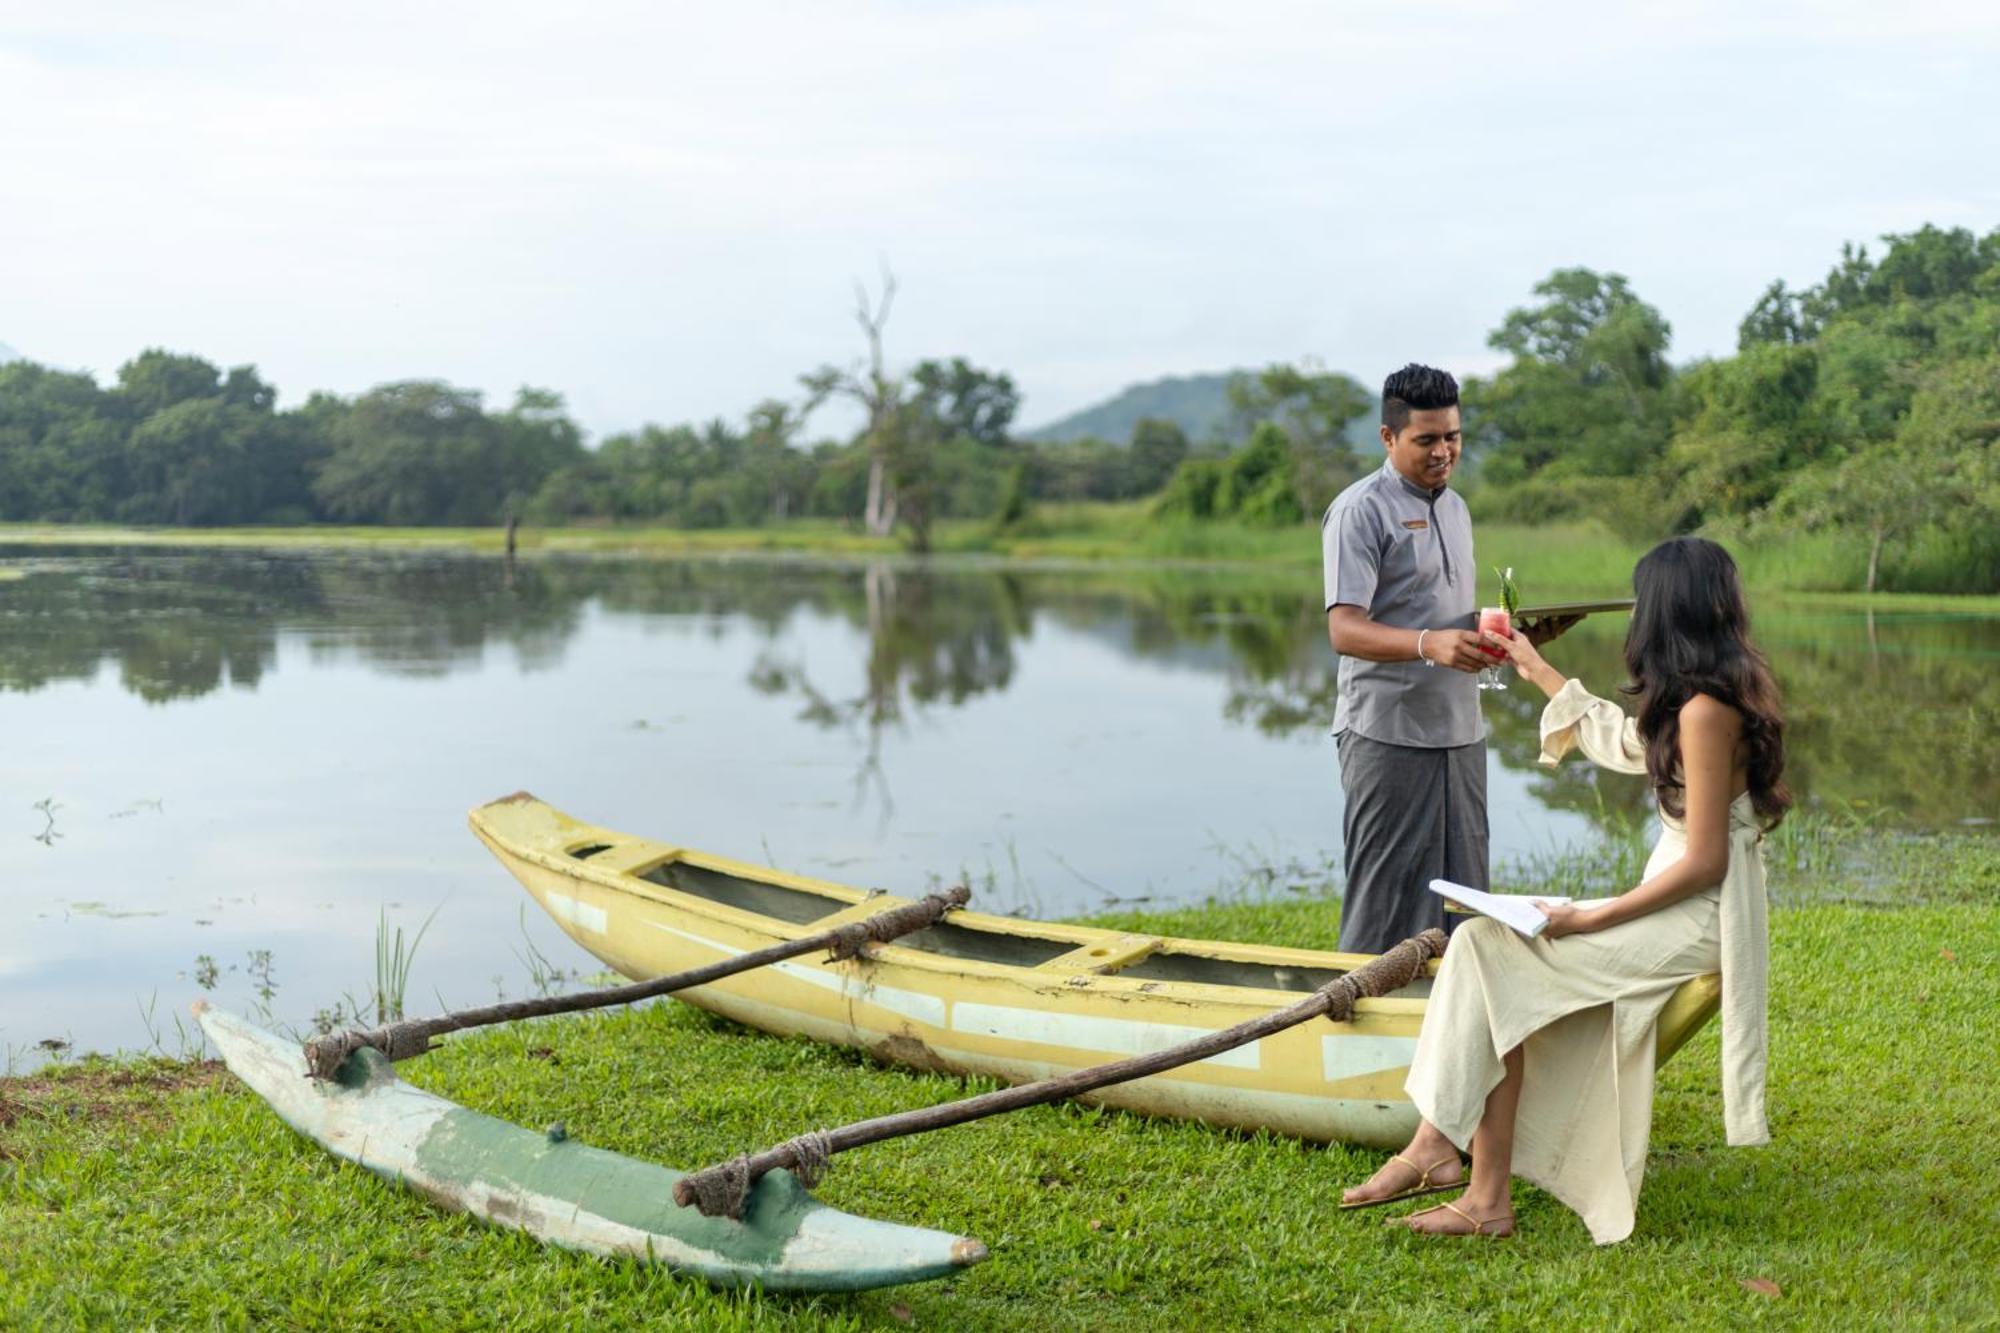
x: 1413, y: 815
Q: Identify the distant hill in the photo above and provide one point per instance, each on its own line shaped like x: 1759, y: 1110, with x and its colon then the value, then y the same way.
x: 1198, y: 403
x: 8, y: 354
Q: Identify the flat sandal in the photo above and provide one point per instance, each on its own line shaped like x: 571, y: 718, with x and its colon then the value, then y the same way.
x: 1424, y: 1184
x: 1478, y: 1225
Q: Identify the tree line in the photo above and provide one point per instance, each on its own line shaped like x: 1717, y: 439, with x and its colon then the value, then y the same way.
x: 175, y: 439
x: 1865, y: 408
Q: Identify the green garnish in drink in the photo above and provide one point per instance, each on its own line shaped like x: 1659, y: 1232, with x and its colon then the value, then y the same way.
x: 1510, y: 593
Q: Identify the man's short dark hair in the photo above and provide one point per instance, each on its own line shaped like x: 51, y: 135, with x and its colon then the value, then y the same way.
x: 1415, y: 388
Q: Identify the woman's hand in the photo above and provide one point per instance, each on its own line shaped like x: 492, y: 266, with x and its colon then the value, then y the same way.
x: 1527, y: 660
x: 1564, y: 919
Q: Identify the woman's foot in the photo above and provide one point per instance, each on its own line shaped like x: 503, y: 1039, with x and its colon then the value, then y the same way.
x: 1404, y: 1175
x: 1460, y: 1219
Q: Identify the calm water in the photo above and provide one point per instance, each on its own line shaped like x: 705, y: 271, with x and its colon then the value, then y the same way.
x: 221, y: 770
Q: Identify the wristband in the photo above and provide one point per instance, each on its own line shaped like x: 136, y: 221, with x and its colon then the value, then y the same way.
x: 1420, y: 649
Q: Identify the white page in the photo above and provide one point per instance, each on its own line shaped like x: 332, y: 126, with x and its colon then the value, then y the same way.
x: 1517, y: 910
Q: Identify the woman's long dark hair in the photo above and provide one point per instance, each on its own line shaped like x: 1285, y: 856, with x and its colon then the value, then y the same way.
x: 1690, y: 635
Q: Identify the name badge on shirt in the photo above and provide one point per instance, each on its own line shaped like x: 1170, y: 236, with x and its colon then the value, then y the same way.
x: 1416, y: 524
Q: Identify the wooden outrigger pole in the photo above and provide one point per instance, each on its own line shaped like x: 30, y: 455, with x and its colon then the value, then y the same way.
x: 721, y: 1190
x: 400, y: 1041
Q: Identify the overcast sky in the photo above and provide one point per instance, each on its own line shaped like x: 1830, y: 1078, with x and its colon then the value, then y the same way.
x: 659, y: 209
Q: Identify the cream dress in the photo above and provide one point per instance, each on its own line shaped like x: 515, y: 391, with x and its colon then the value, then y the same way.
x: 1584, y: 1007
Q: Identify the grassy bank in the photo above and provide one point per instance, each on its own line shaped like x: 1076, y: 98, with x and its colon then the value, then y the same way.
x: 159, y: 1194
x: 1570, y: 559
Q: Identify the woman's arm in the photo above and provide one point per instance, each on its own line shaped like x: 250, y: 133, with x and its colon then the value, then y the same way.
x: 1710, y: 731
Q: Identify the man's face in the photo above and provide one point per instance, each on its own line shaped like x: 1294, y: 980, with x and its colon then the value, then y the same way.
x: 1426, y: 449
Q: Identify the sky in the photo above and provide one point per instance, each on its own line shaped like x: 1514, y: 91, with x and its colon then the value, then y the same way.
x: 660, y: 210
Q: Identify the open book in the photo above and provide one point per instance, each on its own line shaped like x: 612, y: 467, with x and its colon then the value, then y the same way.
x: 1514, y: 909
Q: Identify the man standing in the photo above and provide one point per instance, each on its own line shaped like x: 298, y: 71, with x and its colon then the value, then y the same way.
x: 1401, y: 603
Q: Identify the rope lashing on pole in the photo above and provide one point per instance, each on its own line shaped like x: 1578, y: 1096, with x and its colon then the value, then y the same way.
x: 400, y: 1041
x: 723, y: 1189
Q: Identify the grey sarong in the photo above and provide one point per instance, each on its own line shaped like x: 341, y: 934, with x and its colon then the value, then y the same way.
x: 1413, y: 815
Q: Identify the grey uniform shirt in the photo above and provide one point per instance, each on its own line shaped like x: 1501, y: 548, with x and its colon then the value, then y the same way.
x: 1403, y: 554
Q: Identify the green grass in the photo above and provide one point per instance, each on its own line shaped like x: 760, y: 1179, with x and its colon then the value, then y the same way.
x: 808, y: 535
x: 1551, y: 560
x: 140, y: 1194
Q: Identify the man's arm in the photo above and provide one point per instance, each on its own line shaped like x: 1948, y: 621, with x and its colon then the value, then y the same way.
x: 1353, y: 634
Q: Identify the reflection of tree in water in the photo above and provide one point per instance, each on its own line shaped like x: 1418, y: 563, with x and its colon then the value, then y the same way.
x: 181, y: 624
x: 931, y: 640
x: 1902, y: 727
x: 174, y: 629
x: 1890, y: 712
x: 1885, y: 713
x: 427, y: 617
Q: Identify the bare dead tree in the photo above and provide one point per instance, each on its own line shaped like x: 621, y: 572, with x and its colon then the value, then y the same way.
x: 880, y: 395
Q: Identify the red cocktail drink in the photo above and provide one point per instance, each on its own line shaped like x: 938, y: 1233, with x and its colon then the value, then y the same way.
x: 1494, y: 620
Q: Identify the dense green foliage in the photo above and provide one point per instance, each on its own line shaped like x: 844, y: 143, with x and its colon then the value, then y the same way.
x: 1866, y: 409
x: 177, y: 441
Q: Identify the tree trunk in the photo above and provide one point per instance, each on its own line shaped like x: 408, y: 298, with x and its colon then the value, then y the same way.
x: 1874, y: 554
x: 880, y: 515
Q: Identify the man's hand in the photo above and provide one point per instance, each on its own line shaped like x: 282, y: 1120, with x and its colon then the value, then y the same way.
x: 1458, y: 649
x: 1544, y: 628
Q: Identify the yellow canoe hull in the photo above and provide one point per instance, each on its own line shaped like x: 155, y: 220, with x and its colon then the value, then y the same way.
x: 995, y: 996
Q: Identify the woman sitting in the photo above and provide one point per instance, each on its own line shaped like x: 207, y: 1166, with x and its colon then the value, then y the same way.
x: 1537, y: 1055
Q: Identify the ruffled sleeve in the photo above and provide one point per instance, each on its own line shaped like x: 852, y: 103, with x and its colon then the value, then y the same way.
x: 1577, y: 719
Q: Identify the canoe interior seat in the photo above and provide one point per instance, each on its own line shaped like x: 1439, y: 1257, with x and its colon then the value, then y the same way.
x: 1112, y: 953
x: 1207, y: 970
x: 748, y: 895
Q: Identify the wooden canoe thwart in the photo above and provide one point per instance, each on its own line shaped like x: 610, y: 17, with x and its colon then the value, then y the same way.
x: 1005, y: 998
x: 567, y: 1194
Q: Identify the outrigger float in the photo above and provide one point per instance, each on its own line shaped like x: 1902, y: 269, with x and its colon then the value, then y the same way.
x: 567, y: 1194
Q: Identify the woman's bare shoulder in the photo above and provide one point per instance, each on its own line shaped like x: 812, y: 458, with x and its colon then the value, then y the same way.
x: 1706, y: 713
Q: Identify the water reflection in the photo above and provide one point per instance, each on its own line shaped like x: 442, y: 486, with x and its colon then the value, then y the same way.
x: 1888, y: 711
x: 1888, y: 714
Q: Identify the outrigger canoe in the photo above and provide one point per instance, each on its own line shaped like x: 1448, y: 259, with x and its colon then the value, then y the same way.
x: 997, y: 996
x: 567, y: 1194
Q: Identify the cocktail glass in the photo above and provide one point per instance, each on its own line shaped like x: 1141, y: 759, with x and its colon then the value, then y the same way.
x: 1494, y: 620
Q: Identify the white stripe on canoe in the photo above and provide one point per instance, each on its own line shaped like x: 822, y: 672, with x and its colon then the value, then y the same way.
x: 1350, y: 1057
x: 576, y: 912
x: 910, y: 1004
x: 1113, y: 1036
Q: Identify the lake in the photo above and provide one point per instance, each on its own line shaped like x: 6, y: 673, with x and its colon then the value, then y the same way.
x: 224, y: 769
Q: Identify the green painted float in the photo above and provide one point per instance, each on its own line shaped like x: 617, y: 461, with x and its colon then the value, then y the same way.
x: 570, y: 1195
